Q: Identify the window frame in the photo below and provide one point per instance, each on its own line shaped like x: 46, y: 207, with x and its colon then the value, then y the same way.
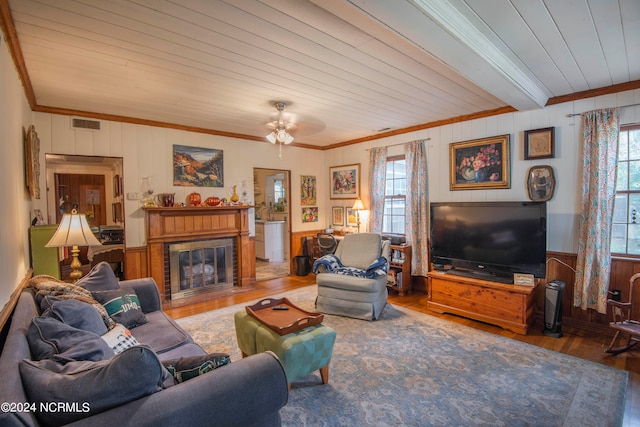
x: 627, y: 193
x: 394, y: 197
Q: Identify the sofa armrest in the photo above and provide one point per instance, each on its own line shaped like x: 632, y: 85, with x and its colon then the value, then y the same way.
x: 147, y: 291
x: 249, y: 392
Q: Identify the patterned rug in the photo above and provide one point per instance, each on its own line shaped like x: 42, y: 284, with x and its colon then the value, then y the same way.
x: 412, y: 369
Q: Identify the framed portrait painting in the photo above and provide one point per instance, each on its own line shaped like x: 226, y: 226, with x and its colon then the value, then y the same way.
x: 480, y: 164
x: 539, y: 143
x: 541, y: 183
x: 345, y: 181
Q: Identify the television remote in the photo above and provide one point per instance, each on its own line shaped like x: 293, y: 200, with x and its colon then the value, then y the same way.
x: 281, y: 307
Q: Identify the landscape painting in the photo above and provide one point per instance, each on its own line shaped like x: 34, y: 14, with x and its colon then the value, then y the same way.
x: 197, y: 167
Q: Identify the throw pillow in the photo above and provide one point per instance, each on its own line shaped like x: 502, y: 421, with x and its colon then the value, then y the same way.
x: 100, y: 278
x: 93, y: 387
x: 123, y: 306
x: 185, y: 368
x: 119, y: 339
x: 77, y: 314
x: 49, y: 337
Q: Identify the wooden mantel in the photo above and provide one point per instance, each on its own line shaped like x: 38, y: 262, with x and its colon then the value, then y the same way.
x: 185, y: 224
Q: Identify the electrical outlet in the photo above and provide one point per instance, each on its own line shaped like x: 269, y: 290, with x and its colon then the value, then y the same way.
x: 133, y: 196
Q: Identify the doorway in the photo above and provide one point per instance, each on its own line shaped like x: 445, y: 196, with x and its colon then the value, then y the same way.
x: 272, y: 191
x: 91, y: 185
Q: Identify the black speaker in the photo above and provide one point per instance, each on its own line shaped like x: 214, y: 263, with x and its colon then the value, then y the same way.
x: 553, y: 295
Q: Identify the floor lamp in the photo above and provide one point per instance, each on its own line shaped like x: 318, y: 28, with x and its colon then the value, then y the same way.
x: 74, y: 231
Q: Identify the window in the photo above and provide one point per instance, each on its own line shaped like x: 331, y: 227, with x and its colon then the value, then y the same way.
x: 395, y: 196
x: 278, y: 191
x: 625, y: 233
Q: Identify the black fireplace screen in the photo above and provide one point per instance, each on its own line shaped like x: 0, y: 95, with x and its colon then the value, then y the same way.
x: 200, y: 267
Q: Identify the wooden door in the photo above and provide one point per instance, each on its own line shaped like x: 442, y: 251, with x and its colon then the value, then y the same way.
x: 84, y: 192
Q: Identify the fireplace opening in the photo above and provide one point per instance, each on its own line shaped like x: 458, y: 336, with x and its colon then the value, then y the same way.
x: 202, y: 266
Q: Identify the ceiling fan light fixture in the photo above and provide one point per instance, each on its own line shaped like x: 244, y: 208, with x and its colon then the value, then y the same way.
x: 280, y: 133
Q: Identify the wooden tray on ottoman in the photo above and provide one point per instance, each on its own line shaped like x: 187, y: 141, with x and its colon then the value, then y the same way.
x: 283, y: 322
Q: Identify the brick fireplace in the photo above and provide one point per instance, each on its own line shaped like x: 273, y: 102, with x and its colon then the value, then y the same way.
x: 220, y: 238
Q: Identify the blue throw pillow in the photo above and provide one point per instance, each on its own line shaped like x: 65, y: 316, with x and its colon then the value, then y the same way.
x: 123, y: 306
x: 100, y: 278
x: 49, y: 337
x: 94, y: 386
x: 77, y: 314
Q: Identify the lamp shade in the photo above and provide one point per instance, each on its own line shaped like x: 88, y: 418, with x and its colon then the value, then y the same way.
x: 74, y: 230
x: 358, y: 206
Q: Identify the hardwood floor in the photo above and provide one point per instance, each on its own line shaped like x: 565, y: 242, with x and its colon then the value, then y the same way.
x: 589, y: 348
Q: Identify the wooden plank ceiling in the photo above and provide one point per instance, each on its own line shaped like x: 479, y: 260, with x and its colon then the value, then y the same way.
x: 346, y: 69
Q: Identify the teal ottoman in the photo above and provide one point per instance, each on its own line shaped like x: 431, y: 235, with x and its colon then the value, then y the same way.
x: 300, y: 352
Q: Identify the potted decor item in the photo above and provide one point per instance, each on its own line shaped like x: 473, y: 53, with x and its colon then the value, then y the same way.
x: 234, y: 197
x: 212, y: 201
x: 194, y: 199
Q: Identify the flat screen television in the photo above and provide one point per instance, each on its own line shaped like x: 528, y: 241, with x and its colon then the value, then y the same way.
x: 489, y: 240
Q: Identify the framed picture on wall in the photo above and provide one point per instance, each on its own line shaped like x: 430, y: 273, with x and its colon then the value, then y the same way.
x: 541, y: 183
x: 352, y: 219
x: 345, y: 181
x: 197, y: 167
x: 117, y: 212
x: 32, y: 161
x: 117, y: 186
x: 539, y: 143
x: 480, y: 164
x: 337, y: 214
x: 308, y: 190
x: 310, y: 214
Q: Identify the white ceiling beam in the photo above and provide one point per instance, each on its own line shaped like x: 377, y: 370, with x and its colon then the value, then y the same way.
x: 448, y: 31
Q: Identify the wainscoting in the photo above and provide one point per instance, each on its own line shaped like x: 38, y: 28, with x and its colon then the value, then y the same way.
x: 560, y: 266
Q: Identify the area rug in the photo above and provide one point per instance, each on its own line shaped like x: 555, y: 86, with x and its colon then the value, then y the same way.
x: 413, y: 369
x: 270, y: 270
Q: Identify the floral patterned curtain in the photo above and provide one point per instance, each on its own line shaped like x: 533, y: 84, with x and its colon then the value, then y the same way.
x: 600, y: 133
x: 377, y: 177
x: 417, y: 206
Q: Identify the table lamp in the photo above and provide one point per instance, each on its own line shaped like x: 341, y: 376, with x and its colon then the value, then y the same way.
x: 357, y: 207
x: 74, y: 231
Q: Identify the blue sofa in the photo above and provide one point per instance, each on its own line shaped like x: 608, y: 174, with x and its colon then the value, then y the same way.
x: 247, y: 392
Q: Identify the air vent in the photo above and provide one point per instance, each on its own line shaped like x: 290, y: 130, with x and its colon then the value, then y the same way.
x: 77, y: 123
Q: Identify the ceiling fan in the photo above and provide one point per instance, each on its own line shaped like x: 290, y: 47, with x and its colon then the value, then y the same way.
x: 281, y: 124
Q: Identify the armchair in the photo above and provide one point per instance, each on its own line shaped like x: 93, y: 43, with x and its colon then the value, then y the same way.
x: 626, y: 319
x: 352, y: 282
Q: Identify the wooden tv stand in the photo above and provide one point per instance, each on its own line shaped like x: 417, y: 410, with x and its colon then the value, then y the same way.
x: 508, y: 306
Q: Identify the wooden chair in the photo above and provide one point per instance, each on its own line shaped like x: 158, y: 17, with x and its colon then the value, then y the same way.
x: 626, y: 319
